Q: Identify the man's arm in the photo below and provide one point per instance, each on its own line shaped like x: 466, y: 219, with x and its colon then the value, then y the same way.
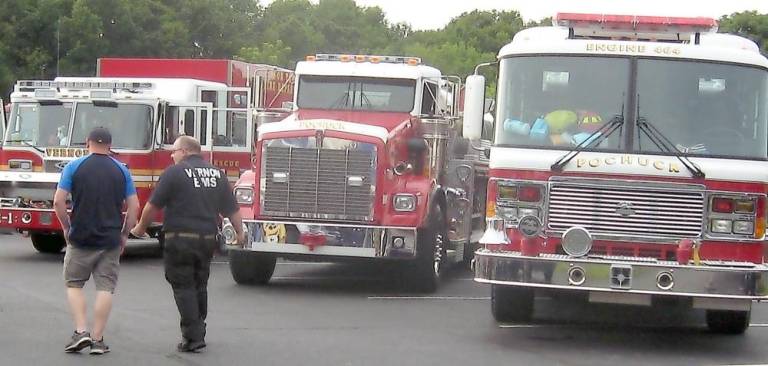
x: 149, y: 212
x: 131, y: 214
x: 237, y: 221
x: 60, y: 206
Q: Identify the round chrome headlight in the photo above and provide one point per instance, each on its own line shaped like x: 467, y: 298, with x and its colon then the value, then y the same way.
x: 577, y: 241
x: 529, y: 226
x: 230, y: 237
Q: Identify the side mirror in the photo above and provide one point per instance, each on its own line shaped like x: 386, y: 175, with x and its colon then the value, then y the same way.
x: 474, y: 103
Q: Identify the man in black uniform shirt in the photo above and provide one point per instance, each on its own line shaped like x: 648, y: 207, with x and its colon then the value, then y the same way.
x: 193, y: 193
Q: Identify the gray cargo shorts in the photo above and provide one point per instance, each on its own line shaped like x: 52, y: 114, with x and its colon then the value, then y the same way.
x: 80, y: 263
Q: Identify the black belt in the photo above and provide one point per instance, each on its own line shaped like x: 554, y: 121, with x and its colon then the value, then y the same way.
x: 189, y: 235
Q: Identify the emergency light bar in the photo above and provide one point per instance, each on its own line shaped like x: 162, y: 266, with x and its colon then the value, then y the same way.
x: 365, y: 58
x: 49, y: 84
x: 634, y: 26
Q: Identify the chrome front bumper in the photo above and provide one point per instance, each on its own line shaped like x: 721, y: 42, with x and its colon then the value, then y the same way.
x: 314, y: 239
x: 710, y: 279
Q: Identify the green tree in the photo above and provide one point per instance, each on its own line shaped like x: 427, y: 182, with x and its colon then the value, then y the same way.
x: 290, y: 22
x: 750, y: 24
x: 276, y: 53
x: 83, y: 39
x: 486, y: 31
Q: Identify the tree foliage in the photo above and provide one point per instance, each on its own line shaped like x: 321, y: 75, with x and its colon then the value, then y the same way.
x: 749, y: 24
x: 40, y: 38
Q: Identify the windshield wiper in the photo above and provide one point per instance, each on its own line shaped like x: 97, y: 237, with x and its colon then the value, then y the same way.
x: 25, y: 142
x: 664, y: 144
x: 343, y: 100
x: 595, y: 138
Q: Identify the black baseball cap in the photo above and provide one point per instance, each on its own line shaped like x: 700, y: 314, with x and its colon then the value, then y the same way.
x: 100, y: 135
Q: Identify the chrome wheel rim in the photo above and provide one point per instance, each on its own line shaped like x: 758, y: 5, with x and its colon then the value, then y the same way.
x: 438, y: 255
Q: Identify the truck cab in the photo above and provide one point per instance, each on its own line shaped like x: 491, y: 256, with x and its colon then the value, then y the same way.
x: 628, y: 165
x: 370, y: 165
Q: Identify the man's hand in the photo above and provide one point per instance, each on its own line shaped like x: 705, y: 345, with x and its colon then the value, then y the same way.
x: 123, y: 240
x: 240, y: 238
x: 66, y: 236
x: 138, y: 231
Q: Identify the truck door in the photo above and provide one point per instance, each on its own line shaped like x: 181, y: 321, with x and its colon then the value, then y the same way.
x: 230, y: 128
x: 187, y: 118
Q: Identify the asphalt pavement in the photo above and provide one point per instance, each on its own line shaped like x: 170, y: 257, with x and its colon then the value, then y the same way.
x: 333, y: 314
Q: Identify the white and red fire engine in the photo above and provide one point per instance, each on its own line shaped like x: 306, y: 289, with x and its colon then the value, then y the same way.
x: 629, y: 163
x: 371, y: 165
x: 49, y: 121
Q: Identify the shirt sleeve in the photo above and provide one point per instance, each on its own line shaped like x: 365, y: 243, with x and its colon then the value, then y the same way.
x: 227, y: 202
x: 162, y: 193
x: 65, y: 181
x: 130, y: 188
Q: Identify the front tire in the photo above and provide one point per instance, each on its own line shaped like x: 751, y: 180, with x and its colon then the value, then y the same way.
x: 728, y: 321
x: 511, y: 304
x: 430, y: 254
x: 251, y: 268
x: 48, y: 243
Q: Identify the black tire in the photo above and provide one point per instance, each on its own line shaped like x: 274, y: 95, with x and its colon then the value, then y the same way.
x: 48, y: 243
x: 728, y: 321
x: 469, y: 253
x: 511, y: 304
x: 251, y: 268
x: 430, y: 262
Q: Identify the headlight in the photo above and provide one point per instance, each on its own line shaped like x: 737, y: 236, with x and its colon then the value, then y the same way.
x: 524, y: 211
x: 244, y: 195
x: 721, y: 226
x: 508, y: 213
x: 404, y: 202
x: 22, y: 165
x: 744, y: 227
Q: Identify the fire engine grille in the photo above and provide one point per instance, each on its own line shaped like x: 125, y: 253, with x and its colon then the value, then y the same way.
x: 316, y: 183
x: 625, y: 210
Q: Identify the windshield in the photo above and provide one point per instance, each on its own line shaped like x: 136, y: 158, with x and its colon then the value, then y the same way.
x: 39, y: 124
x: 704, y: 108
x: 559, y: 101
x: 130, y: 124
x: 356, y: 93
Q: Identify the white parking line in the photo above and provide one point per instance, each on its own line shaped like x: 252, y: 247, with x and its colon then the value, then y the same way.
x: 427, y: 298
x: 571, y: 325
x: 520, y: 326
x: 286, y: 263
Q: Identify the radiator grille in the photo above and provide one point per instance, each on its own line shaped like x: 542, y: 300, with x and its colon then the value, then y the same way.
x: 319, y: 183
x: 631, y: 211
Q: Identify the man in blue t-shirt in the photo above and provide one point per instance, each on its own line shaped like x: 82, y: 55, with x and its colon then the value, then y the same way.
x: 95, y: 233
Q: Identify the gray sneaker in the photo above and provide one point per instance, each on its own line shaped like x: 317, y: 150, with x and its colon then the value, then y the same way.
x: 79, y: 342
x: 99, y: 347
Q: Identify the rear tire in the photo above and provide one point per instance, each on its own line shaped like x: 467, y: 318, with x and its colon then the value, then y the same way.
x: 430, y: 261
x: 251, y: 268
x: 511, y: 304
x: 728, y: 321
x: 48, y: 243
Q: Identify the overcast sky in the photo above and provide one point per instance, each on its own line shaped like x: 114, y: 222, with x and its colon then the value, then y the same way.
x: 434, y: 14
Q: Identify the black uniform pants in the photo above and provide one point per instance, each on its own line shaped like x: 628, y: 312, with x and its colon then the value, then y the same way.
x: 187, y: 263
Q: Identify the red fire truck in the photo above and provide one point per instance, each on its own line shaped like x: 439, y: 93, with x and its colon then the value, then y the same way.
x: 628, y: 165
x: 217, y: 101
x: 371, y: 165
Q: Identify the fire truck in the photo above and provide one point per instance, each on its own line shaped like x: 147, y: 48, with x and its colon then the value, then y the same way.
x: 370, y: 166
x: 628, y: 166
x: 49, y: 121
